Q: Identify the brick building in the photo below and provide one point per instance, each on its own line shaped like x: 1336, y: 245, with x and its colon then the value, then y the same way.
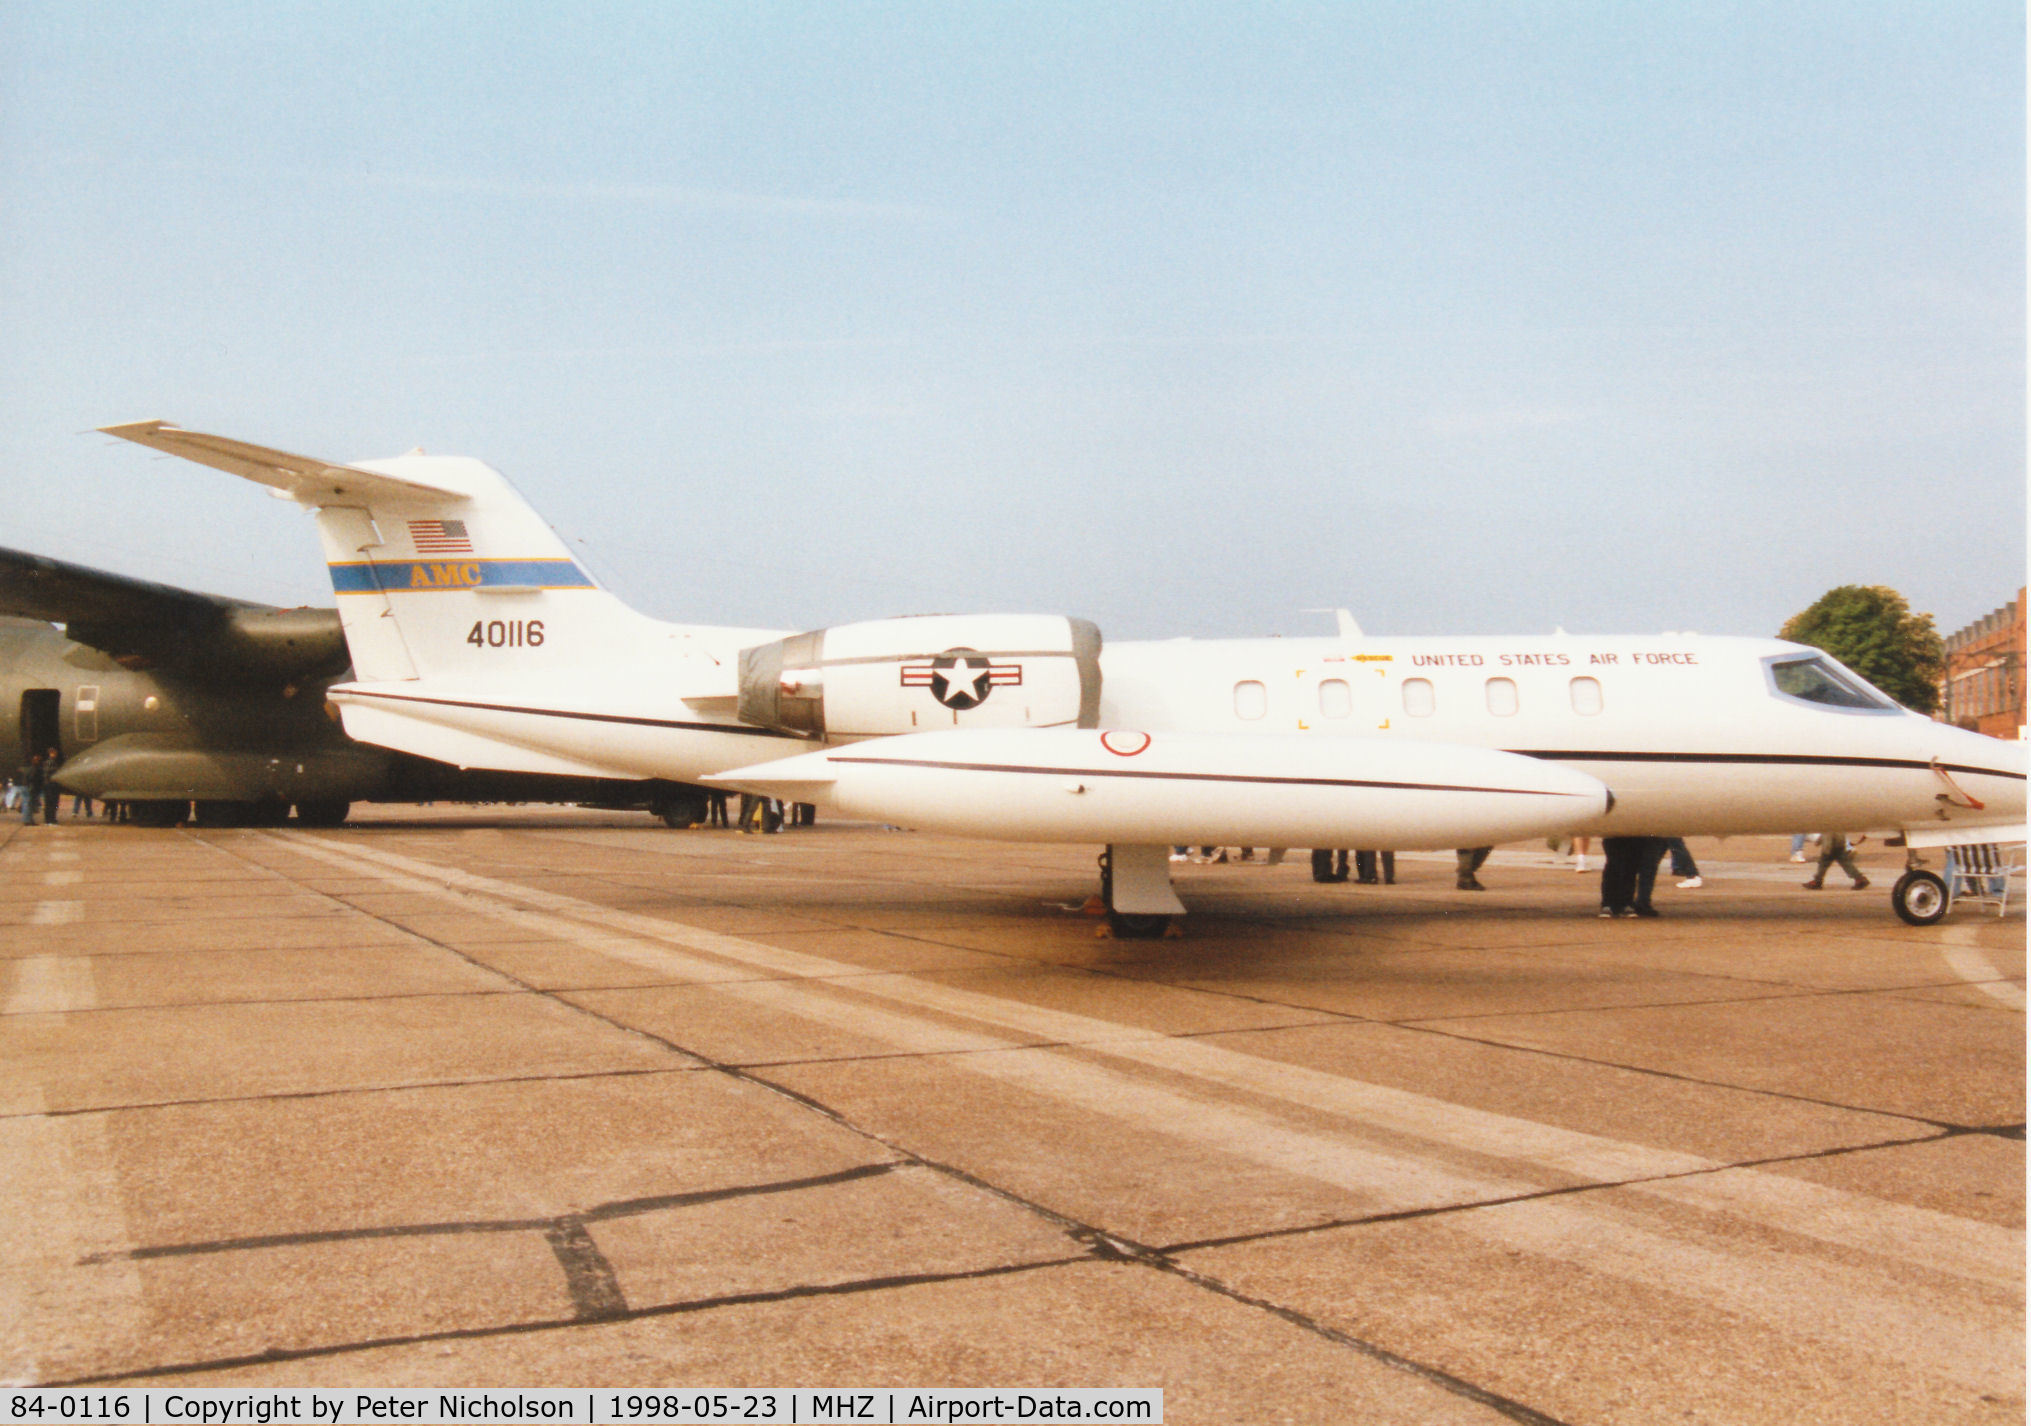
x: 1984, y: 684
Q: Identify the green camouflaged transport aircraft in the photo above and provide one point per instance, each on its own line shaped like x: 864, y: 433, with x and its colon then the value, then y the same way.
x: 182, y: 704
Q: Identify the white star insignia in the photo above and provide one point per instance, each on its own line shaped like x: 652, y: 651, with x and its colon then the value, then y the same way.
x: 966, y: 676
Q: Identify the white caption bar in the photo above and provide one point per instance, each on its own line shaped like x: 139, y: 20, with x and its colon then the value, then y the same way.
x: 778, y: 1406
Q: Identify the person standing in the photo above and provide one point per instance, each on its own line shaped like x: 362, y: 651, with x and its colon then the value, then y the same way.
x: 1467, y: 861
x: 1683, y: 866
x: 30, y: 779
x: 1833, y: 847
x: 51, y: 793
x: 1364, y: 868
x: 1619, y: 856
x: 1649, y: 856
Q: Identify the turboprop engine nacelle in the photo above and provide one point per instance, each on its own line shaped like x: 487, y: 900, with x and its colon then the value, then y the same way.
x: 934, y: 671
x: 1244, y: 789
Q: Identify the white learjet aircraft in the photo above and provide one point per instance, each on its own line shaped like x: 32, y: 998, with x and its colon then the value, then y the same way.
x: 477, y: 639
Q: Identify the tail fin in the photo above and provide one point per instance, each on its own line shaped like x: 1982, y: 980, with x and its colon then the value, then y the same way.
x: 441, y: 568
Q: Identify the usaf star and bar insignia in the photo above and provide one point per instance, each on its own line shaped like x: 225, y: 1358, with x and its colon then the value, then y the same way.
x: 961, y: 678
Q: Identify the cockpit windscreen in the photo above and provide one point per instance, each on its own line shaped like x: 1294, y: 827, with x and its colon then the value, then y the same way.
x: 1814, y: 678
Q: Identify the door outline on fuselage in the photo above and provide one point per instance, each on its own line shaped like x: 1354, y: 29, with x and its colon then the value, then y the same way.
x: 41, y: 722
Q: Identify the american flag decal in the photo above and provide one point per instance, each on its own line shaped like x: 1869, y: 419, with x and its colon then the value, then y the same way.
x: 440, y: 537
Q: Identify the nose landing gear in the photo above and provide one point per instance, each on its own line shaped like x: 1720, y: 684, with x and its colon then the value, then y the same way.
x: 1919, y: 898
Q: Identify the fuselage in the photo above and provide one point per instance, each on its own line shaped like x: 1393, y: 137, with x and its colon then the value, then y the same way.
x: 56, y: 693
x: 1694, y: 735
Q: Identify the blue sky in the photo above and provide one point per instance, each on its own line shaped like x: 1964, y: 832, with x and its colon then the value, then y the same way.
x: 1185, y: 318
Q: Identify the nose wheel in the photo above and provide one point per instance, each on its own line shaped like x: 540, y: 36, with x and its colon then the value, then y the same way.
x: 1919, y: 898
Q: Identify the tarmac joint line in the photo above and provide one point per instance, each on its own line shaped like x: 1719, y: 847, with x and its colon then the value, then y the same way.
x: 555, y: 1228
x: 551, y: 1324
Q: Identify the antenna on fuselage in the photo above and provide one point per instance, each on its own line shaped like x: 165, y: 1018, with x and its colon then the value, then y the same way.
x: 1349, y: 630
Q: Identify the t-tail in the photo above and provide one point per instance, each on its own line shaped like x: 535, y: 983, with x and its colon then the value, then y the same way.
x: 439, y: 565
x: 477, y: 639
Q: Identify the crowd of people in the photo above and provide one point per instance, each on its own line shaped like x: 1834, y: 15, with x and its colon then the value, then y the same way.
x: 1630, y: 866
x: 33, y: 788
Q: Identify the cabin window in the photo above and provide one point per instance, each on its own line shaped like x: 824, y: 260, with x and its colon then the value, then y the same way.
x: 1586, y: 696
x: 1418, y: 700
x: 1251, y: 700
x: 1502, y: 697
x: 87, y: 710
x: 1336, y: 699
x: 1815, y: 678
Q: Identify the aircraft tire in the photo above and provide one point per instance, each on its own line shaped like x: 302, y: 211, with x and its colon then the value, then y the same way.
x: 681, y: 807
x: 157, y: 812
x: 323, y: 812
x: 1129, y: 926
x: 1919, y: 899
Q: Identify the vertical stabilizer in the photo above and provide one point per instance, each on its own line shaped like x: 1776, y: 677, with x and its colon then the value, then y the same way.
x: 471, y: 583
x: 442, y: 570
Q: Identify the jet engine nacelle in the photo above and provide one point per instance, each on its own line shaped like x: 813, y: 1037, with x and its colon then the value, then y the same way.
x: 925, y: 673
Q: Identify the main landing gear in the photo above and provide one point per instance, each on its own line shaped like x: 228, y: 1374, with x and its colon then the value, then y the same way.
x: 1135, y: 888
x: 264, y: 812
x: 681, y: 805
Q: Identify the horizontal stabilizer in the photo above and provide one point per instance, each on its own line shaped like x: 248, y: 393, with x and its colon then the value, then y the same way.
x: 304, y: 478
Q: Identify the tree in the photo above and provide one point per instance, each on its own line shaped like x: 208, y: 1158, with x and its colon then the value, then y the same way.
x: 1872, y: 630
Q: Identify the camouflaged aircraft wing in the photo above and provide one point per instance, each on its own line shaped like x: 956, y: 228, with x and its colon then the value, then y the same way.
x: 148, y: 625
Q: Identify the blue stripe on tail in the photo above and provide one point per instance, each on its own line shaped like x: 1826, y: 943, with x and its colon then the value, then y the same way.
x: 429, y: 576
